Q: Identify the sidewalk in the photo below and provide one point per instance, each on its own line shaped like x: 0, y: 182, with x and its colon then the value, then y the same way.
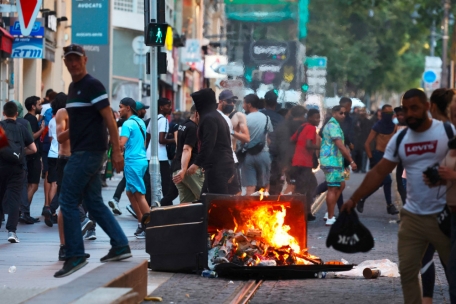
x: 36, y: 256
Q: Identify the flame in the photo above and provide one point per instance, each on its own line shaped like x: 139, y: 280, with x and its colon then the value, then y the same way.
x: 261, y: 191
x: 271, y: 224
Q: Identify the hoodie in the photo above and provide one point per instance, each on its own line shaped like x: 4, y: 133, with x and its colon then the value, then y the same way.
x: 214, y: 139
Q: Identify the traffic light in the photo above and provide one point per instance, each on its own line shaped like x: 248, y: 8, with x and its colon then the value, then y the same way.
x: 162, y: 63
x: 155, y: 34
x: 304, y: 87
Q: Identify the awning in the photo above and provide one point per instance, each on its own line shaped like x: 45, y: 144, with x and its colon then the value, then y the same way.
x: 6, y: 44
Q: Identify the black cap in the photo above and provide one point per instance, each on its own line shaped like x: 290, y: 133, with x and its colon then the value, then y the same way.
x: 349, y: 235
x: 130, y: 102
x: 271, y: 95
x: 73, y: 49
x: 226, y: 95
x: 163, y: 101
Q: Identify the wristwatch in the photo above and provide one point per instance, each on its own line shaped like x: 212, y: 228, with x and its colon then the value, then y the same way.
x: 352, y: 162
x: 232, y: 132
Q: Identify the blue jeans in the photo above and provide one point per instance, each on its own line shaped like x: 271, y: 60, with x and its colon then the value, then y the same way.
x: 81, y: 181
x: 452, y: 263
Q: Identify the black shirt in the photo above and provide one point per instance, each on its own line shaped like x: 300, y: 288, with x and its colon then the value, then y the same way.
x: 35, y: 128
x: 275, y: 117
x: 26, y: 136
x: 186, y: 135
x: 87, y: 128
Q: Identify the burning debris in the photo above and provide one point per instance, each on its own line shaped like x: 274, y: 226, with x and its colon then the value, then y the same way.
x: 262, y: 240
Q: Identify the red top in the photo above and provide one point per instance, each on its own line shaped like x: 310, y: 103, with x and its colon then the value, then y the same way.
x: 302, y: 156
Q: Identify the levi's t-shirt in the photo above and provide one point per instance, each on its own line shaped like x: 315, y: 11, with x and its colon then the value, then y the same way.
x: 418, y: 151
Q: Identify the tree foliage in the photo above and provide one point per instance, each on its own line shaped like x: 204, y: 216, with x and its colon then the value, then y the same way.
x: 372, y: 45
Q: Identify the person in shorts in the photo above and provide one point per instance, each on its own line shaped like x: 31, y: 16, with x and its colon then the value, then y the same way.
x: 133, y: 142
x: 332, y: 155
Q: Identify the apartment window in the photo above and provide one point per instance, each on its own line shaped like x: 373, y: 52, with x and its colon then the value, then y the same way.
x: 124, y: 5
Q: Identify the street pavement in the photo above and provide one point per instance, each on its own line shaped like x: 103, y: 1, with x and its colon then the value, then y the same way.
x: 35, y: 259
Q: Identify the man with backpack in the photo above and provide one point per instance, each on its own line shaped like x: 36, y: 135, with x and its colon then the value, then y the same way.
x: 307, y: 143
x: 419, y: 147
x: 13, y: 165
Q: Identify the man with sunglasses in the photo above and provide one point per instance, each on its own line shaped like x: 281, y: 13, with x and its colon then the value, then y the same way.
x: 332, y: 155
x: 89, y: 115
x: 382, y: 132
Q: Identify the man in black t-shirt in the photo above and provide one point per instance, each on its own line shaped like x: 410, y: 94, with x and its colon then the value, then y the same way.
x: 189, y: 186
x: 89, y: 116
x: 33, y: 106
x: 12, y: 174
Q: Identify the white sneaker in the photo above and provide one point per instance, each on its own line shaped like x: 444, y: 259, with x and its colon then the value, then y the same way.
x: 330, y: 221
x: 114, y: 205
x: 326, y: 216
x: 12, y: 237
x: 141, y: 235
x: 257, y: 193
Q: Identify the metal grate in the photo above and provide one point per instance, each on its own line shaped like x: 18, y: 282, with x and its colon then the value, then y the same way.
x: 124, y: 5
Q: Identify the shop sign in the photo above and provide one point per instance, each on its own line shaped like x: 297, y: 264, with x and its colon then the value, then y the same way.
x: 26, y: 47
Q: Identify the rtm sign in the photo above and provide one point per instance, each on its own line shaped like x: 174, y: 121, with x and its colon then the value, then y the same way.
x: 31, y: 48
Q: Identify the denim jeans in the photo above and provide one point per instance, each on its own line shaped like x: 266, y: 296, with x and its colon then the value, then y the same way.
x: 452, y: 264
x: 81, y: 180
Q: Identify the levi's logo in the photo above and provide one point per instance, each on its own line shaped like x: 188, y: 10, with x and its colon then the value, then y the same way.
x: 421, y: 148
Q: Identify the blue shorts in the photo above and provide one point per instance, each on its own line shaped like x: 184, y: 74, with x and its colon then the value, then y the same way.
x: 134, y: 175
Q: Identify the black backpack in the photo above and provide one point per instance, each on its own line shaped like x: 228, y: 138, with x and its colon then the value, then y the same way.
x: 14, y: 153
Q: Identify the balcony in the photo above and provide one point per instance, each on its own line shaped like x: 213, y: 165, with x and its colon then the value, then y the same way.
x: 128, y: 14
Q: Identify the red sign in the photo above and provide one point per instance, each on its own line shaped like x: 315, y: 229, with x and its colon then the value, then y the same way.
x: 421, y: 148
x: 27, y: 10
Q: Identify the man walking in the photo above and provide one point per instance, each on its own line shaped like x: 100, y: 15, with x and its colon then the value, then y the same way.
x: 89, y: 116
x: 256, y: 167
x: 332, y: 155
x: 423, y: 144
x: 133, y: 143
x: 189, y: 186
x: 382, y: 132
x: 363, y: 125
x: 302, y: 163
x: 215, y: 155
x: 12, y: 166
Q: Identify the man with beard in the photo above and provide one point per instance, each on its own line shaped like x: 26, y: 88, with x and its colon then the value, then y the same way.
x: 381, y: 132
x: 423, y: 145
x: 225, y: 106
x: 215, y: 155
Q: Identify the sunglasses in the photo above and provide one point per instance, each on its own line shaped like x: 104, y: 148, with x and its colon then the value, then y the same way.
x: 342, y: 113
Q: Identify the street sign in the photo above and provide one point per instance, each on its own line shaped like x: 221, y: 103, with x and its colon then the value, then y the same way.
x: 37, y: 29
x: 156, y: 34
x: 27, y: 10
x: 192, y: 51
x: 429, y: 76
x: 316, y: 62
x: 138, y: 46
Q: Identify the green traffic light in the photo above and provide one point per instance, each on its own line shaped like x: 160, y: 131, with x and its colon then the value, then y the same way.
x: 305, y: 87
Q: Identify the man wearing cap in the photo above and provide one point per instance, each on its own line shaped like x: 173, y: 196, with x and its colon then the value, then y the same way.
x: 89, y: 115
x: 225, y: 106
x: 114, y: 202
x: 133, y: 143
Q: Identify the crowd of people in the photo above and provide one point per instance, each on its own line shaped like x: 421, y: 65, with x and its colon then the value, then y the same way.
x: 263, y: 150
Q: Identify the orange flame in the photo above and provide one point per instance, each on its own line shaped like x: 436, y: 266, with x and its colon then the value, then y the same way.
x: 271, y: 224
x: 261, y: 191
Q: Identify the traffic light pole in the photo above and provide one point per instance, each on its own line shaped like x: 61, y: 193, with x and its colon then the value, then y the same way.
x: 154, y: 165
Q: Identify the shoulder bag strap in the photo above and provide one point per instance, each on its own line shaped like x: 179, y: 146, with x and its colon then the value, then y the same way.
x: 140, y: 129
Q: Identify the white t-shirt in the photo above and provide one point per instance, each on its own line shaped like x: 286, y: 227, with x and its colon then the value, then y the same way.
x: 418, y: 151
x: 230, y: 125
x: 163, y: 126
x: 54, y: 150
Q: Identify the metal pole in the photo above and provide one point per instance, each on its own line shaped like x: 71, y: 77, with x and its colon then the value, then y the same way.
x: 140, y: 76
x: 432, y: 38
x: 444, y: 80
x: 154, y: 165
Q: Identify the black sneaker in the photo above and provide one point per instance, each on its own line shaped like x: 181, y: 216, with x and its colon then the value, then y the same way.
x: 43, y: 213
x: 132, y: 212
x: 24, y: 219
x: 117, y: 254
x: 391, y: 209
x: 311, y: 217
x: 48, y: 217
x: 62, y: 253
x: 71, y: 265
x: 139, y: 230
x: 360, y: 206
